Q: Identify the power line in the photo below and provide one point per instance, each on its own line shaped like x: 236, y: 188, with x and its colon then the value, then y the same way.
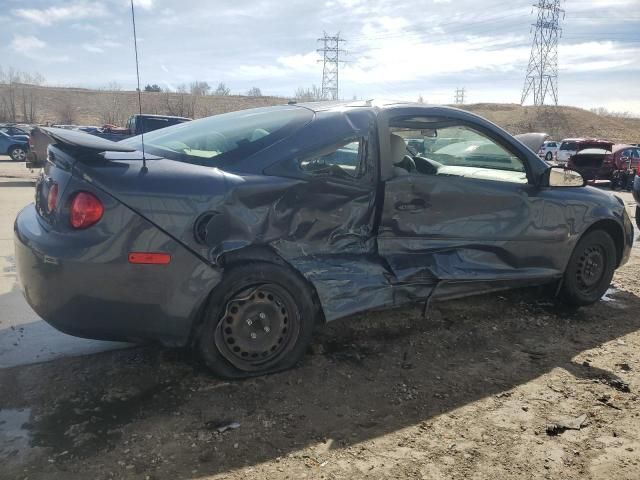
x: 459, y: 97
x: 331, y: 52
x: 542, y: 73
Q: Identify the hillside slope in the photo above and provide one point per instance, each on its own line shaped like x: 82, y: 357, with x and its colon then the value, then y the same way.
x: 559, y: 122
x: 97, y: 107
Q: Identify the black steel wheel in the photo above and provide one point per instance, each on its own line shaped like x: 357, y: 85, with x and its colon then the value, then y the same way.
x: 590, y: 269
x: 255, y: 331
x: 259, y: 320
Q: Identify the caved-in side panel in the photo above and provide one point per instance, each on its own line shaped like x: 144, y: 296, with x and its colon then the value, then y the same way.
x: 454, y: 228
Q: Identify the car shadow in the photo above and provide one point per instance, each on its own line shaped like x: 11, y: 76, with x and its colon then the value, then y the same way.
x: 18, y: 183
x: 363, y: 378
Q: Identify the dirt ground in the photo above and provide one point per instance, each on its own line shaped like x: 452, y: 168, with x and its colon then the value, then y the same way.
x: 503, y: 386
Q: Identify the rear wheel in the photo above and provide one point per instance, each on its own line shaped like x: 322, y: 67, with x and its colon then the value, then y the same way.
x: 18, y: 154
x: 259, y: 320
x: 590, y: 269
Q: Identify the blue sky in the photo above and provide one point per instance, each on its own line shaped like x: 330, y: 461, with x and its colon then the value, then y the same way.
x: 397, y: 49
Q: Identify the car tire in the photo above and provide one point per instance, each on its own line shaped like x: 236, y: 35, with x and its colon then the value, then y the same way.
x: 590, y: 269
x: 638, y: 217
x: 259, y: 320
x: 18, y: 154
x: 548, y: 157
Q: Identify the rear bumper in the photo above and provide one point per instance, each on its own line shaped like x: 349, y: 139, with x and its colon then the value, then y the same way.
x: 90, y: 290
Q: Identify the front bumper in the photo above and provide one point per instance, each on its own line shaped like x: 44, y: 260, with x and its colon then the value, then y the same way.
x: 90, y: 290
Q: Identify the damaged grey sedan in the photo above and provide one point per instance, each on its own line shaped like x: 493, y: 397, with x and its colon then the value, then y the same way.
x: 237, y: 233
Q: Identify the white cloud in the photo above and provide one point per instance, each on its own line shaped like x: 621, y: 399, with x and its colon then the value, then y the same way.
x: 35, y: 49
x: 72, y: 11
x: 100, y: 46
x: 144, y: 4
x: 26, y: 44
x: 592, y: 56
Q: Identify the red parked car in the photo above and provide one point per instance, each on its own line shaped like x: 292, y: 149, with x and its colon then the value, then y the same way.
x: 593, y: 159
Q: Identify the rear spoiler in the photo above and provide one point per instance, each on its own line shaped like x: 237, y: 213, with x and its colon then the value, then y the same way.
x: 83, y: 140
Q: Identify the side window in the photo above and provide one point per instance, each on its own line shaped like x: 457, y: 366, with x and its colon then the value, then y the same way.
x: 460, y: 151
x: 346, y: 160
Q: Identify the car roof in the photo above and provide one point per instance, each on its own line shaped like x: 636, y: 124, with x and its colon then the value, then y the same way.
x: 622, y: 146
x: 151, y: 115
x: 376, y: 104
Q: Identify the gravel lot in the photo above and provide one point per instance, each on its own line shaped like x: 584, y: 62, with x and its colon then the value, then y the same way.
x: 504, y: 386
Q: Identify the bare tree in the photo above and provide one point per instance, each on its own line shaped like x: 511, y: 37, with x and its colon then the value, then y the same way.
x: 603, y: 112
x: 180, y: 103
x: 11, y: 77
x: 222, y: 90
x: 200, y: 88
x: 254, y: 92
x: 313, y: 94
x: 114, y: 87
x: 29, y: 103
x: 66, y: 113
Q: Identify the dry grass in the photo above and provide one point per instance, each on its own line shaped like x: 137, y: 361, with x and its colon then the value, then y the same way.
x: 559, y: 122
x: 96, y: 107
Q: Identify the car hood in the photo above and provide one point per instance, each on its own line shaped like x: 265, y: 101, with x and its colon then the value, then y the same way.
x: 532, y: 140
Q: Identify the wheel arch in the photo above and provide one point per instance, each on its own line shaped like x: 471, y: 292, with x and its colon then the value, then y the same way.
x: 614, y: 230
x: 247, y: 255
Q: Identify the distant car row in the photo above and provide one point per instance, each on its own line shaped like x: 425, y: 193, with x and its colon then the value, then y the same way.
x: 595, y: 159
x: 136, y: 125
x: 14, y: 141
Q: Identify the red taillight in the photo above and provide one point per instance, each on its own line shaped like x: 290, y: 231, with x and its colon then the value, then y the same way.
x: 52, y: 198
x: 86, y: 210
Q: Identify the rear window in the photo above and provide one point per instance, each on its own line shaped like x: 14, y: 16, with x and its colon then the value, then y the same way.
x: 149, y: 124
x: 223, y: 138
x: 572, y: 146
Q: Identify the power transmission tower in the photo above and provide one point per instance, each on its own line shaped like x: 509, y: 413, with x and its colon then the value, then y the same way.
x: 331, y: 52
x: 459, y: 98
x: 542, y: 72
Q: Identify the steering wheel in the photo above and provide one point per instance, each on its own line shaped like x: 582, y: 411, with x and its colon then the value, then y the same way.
x: 407, y: 163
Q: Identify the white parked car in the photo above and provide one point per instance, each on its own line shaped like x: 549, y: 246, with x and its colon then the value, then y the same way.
x: 548, y: 150
x: 568, y: 148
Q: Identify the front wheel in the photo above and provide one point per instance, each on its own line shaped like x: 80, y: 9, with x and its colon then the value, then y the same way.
x: 590, y: 269
x: 259, y: 320
x: 548, y: 157
x: 18, y: 154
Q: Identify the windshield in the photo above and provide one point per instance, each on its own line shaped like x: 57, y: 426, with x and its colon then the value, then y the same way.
x: 227, y: 137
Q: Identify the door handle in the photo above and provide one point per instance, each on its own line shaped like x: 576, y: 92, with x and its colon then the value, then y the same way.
x: 414, y: 205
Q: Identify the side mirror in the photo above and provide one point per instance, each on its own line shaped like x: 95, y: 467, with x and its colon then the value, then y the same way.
x: 564, y: 177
